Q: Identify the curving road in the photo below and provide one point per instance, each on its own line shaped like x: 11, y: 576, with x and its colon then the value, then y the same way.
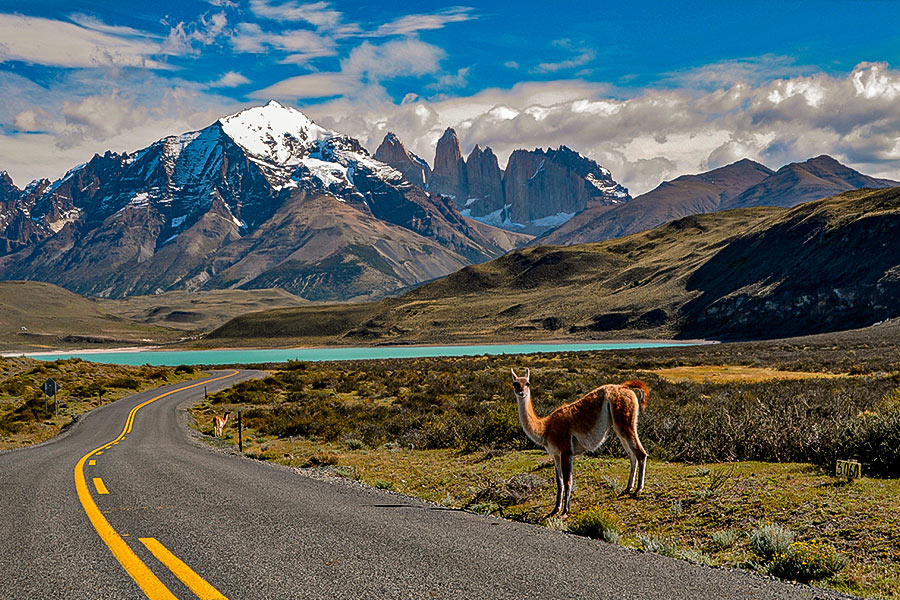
x: 125, y: 505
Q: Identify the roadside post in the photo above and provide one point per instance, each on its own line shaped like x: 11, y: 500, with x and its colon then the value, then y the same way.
x: 240, y: 434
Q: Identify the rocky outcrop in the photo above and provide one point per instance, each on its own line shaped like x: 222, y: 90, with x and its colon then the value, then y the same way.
x: 552, y: 185
x: 485, y: 193
x: 8, y: 190
x: 449, y: 175
x: 414, y: 169
x: 539, y: 190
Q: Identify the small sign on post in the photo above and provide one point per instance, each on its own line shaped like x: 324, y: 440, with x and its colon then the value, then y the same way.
x: 50, y: 387
x: 850, y: 469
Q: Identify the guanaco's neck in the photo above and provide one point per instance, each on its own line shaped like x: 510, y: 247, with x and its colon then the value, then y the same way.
x: 531, y: 423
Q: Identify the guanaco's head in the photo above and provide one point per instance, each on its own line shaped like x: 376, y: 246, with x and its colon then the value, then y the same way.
x: 522, y: 385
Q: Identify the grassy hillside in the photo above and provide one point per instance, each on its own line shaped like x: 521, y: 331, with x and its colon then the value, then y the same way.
x: 197, y: 311
x: 748, y: 273
x: 53, y: 318
x: 56, y: 318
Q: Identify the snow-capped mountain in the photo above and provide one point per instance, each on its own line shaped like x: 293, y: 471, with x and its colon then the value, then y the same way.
x: 189, y: 210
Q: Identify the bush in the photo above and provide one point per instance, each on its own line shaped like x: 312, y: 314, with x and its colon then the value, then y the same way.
x: 597, y: 523
x: 771, y: 540
x: 127, y: 383
x: 806, y: 562
x: 873, y: 438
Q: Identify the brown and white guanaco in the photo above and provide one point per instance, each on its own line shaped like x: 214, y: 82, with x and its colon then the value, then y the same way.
x: 219, y: 423
x: 582, y: 426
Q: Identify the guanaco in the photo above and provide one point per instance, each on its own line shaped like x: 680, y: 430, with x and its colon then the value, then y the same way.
x: 582, y: 426
x: 219, y: 423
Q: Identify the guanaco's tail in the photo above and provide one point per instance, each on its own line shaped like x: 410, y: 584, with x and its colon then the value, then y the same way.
x: 635, y: 384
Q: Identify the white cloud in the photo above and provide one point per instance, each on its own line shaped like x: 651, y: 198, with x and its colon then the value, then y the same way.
x: 319, y: 14
x: 230, y: 79
x: 250, y: 37
x: 313, y: 85
x: 412, y: 23
x: 361, y: 72
x: 50, y: 42
x: 658, y: 133
x: 184, y: 37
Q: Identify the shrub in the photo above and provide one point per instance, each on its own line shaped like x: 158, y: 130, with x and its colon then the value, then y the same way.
x: 656, y: 545
x: 806, y: 562
x: 354, y: 444
x: 597, y: 523
x: 771, y: 540
x: 128, y: 383
x: 724, y: 540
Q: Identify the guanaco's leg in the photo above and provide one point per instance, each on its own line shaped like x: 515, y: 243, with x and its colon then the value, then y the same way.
x: 566, y: 459
x: 557, y: 461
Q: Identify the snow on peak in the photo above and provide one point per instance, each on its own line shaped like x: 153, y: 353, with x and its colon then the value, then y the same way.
x: 274, y: 132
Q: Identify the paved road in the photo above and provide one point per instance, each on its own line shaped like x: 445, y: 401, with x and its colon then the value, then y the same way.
x: 183, y: 521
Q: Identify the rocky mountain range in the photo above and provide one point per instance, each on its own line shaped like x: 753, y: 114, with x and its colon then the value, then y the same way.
x: 262, y: 198
x: 538, y: 190
x: 742, y: 184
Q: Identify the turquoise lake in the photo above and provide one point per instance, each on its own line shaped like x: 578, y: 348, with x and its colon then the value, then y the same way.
x: 229, y: 357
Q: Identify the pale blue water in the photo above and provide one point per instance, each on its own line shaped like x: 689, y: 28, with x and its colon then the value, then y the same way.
x: 228, y: 357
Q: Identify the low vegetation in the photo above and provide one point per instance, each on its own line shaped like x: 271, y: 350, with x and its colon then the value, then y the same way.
x: 727, y: 453
x: 28, y: 416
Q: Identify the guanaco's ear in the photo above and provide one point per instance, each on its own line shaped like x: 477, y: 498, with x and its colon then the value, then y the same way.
x: 528, y: 374
x: 513, y: 371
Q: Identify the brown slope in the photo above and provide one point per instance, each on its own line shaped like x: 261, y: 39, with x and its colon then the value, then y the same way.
x: 322, y: 248
x: 748, y: 273
x: 54, y: 317
x: 686, y: 195
x: 199, y: 310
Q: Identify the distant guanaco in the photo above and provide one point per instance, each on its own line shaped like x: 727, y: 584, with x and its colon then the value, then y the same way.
x: 582, y: 426
x: 219, y: 423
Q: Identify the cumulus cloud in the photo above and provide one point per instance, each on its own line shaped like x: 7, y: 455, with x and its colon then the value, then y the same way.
x: 188, y: 38
x: 361, y: 72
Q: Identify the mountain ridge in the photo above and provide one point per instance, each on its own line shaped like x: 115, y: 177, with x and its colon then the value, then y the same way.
x: 743, y: 183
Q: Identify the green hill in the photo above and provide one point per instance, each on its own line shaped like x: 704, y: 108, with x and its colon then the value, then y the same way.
x: 750, y: 273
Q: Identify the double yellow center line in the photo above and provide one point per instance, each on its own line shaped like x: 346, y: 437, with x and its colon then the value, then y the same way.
x: 140, y: 572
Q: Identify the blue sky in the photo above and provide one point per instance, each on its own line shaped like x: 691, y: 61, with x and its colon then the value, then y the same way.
x: 651, y: 89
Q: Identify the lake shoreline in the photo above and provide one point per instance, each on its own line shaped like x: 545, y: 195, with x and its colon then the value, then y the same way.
x: 222, y: 356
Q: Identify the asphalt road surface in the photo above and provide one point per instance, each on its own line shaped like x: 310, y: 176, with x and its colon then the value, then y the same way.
x: 127, y: 504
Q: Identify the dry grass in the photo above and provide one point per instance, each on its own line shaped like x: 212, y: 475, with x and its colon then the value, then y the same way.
x: 733, y: 373
x: 687, y: 507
